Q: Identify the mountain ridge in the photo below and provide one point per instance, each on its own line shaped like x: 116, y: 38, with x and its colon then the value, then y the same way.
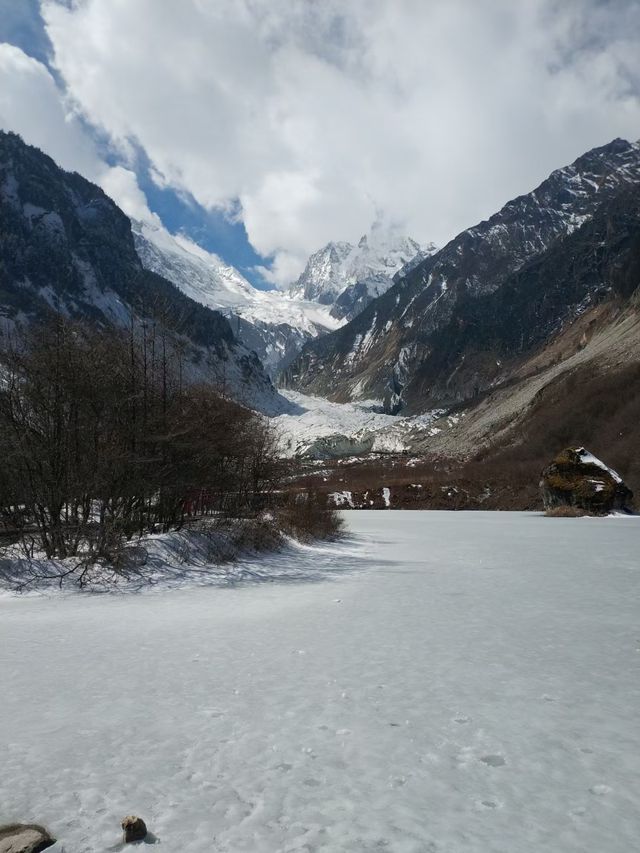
x: 276, y: 324
x: 379, y: 353
x: 66, y: 247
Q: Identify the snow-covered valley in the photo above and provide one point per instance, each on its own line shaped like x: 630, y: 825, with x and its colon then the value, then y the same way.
x: 439, y: 682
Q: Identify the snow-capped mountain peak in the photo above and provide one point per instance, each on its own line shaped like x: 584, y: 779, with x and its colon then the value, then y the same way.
x: 348, y: 277
x: 322, y: 279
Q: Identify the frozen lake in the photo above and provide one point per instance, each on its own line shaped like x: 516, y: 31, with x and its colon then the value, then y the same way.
x: 442, y: 682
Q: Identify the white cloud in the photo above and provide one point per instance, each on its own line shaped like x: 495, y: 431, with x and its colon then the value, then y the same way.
x: 314, y: 115
x: 284, y: 268
x: 122, y: 186
x: 32, y: 105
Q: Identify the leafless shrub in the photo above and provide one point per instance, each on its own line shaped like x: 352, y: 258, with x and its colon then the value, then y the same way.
x: 102, y: 441
x: 258, y: 534
x: 566, y: 512
x: 306, y: 516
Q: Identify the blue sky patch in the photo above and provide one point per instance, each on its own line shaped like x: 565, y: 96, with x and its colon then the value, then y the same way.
x: 21, y: 24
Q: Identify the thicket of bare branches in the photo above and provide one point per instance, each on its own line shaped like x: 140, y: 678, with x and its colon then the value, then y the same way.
x: 101, y: 441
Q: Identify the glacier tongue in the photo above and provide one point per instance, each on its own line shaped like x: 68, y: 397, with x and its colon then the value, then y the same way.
x: 316, y: 428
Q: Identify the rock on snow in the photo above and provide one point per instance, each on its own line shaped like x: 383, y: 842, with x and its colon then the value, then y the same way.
x: 577, y: 478
x: 24, y: 838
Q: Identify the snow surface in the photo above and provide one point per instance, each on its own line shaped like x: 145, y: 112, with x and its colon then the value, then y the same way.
x: 202, y: 275
x: 590, y: 459
x: 457, y: 682
x: 206, y: 278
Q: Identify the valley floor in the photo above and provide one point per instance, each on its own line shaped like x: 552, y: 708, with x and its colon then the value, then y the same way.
x: 437, y: 682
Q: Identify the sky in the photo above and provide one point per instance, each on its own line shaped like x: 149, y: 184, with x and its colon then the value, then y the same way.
x: 263, y: 129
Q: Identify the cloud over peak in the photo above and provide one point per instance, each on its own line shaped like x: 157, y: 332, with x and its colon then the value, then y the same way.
x: 306, y: 118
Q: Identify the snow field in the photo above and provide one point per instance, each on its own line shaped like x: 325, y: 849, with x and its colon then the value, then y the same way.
x: 459, y: 682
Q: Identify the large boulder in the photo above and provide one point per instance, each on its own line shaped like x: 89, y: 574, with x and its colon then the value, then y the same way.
x: 576, y: 478
x: 24, y: 838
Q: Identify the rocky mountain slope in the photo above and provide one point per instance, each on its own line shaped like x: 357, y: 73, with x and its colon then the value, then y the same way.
x: 461, y: 321
x: 65, y: 247
x: 561, y: 339
x: 348, y: 277
x: 270, y: 323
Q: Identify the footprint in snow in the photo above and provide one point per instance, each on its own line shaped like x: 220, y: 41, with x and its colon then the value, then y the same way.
x: 600, y: 790
x: 493, y: 760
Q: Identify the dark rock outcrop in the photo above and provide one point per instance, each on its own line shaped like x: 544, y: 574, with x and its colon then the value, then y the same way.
x: 578, y: 479
x: 24, y: 838
x: 134, y: 829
